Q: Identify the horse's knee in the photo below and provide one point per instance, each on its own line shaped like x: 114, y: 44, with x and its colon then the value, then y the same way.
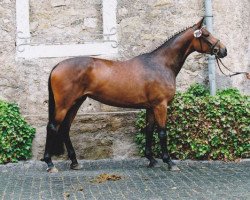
x: 162, y: 134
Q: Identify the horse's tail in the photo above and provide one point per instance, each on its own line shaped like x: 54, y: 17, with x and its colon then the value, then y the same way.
x: 54, y: 137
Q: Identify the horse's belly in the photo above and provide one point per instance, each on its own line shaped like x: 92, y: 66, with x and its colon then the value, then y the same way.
x: 121, y: 99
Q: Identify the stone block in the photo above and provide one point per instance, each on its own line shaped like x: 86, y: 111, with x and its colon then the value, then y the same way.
x: 93, y: 136
x: 90, y: 22
x: 123, y: 11
x: 57, y: 3
x: 160, y: 3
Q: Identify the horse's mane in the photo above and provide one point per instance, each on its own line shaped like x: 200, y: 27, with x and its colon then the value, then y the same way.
x: 171, y: 38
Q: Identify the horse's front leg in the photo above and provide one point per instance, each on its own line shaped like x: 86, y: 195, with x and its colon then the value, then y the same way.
x: 150, y: 122
x: 160, y: 112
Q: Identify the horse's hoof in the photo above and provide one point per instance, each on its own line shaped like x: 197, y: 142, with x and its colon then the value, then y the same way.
x: 75, y: 166
x: 152, y: 163
x: 174, y: 168
x: 52, y: 170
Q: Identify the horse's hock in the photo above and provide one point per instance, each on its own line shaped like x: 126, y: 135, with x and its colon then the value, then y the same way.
x: 140, y: 28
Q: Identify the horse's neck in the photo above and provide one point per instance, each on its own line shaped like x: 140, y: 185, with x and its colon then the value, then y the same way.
x: 174, y: 54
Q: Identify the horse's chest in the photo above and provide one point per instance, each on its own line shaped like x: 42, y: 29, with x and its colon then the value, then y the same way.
x: 158, y: 91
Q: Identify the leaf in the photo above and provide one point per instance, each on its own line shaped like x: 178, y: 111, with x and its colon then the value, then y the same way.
x: 15, y: 134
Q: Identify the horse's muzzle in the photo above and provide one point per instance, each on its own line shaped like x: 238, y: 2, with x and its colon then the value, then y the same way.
x: 222, y: 53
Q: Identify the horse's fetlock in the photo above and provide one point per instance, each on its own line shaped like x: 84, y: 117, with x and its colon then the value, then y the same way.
x: 74, y: 161
x: 166, y: 158
x: 148, y: 153
x: 72, y: 155
x: 48, y: 160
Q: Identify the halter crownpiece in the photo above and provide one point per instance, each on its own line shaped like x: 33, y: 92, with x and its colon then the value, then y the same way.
x: 197, y: 33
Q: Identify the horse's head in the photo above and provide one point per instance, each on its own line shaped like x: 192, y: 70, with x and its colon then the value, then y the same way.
x: 205, y: 42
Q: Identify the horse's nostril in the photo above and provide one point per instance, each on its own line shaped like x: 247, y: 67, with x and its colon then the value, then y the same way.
x: 225, y: 52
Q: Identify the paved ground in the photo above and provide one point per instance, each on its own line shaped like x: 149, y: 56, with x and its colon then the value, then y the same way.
x: 196, y: 180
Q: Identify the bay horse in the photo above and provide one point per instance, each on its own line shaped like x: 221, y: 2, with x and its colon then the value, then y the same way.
x: 147, y: 81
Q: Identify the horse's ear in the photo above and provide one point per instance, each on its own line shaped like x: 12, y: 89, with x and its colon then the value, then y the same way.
x: 200, y: 23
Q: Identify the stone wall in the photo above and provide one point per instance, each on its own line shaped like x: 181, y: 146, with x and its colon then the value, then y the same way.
x: 141, y: 27
x: 71, y: 21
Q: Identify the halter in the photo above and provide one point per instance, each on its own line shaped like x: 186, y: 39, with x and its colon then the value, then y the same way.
x: 213, y: 51
x: 198, y: 34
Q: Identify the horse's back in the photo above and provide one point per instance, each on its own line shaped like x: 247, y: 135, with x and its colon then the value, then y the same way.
x: 73, y: 64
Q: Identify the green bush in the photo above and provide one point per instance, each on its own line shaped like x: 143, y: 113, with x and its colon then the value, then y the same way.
x: 15, y: 134
x: 201, y: 126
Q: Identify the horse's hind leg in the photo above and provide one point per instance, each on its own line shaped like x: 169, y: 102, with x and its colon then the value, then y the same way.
x: 150, y: 122
x: 160, y: 112
x: 52, y: 135
x: 54, y: 142
x: 58, y: 134
x: 64, y: 130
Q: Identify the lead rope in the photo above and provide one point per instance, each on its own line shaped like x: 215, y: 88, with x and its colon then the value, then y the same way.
x: 219, y: 60
x: 234, y: 73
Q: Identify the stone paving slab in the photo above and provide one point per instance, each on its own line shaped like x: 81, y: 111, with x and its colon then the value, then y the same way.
x: 196, y: 180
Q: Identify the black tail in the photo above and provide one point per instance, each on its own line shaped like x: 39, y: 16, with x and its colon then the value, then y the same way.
x: 54, y: 138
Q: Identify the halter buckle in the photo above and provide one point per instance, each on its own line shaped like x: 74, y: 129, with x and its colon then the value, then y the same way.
x: 197, y: 33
